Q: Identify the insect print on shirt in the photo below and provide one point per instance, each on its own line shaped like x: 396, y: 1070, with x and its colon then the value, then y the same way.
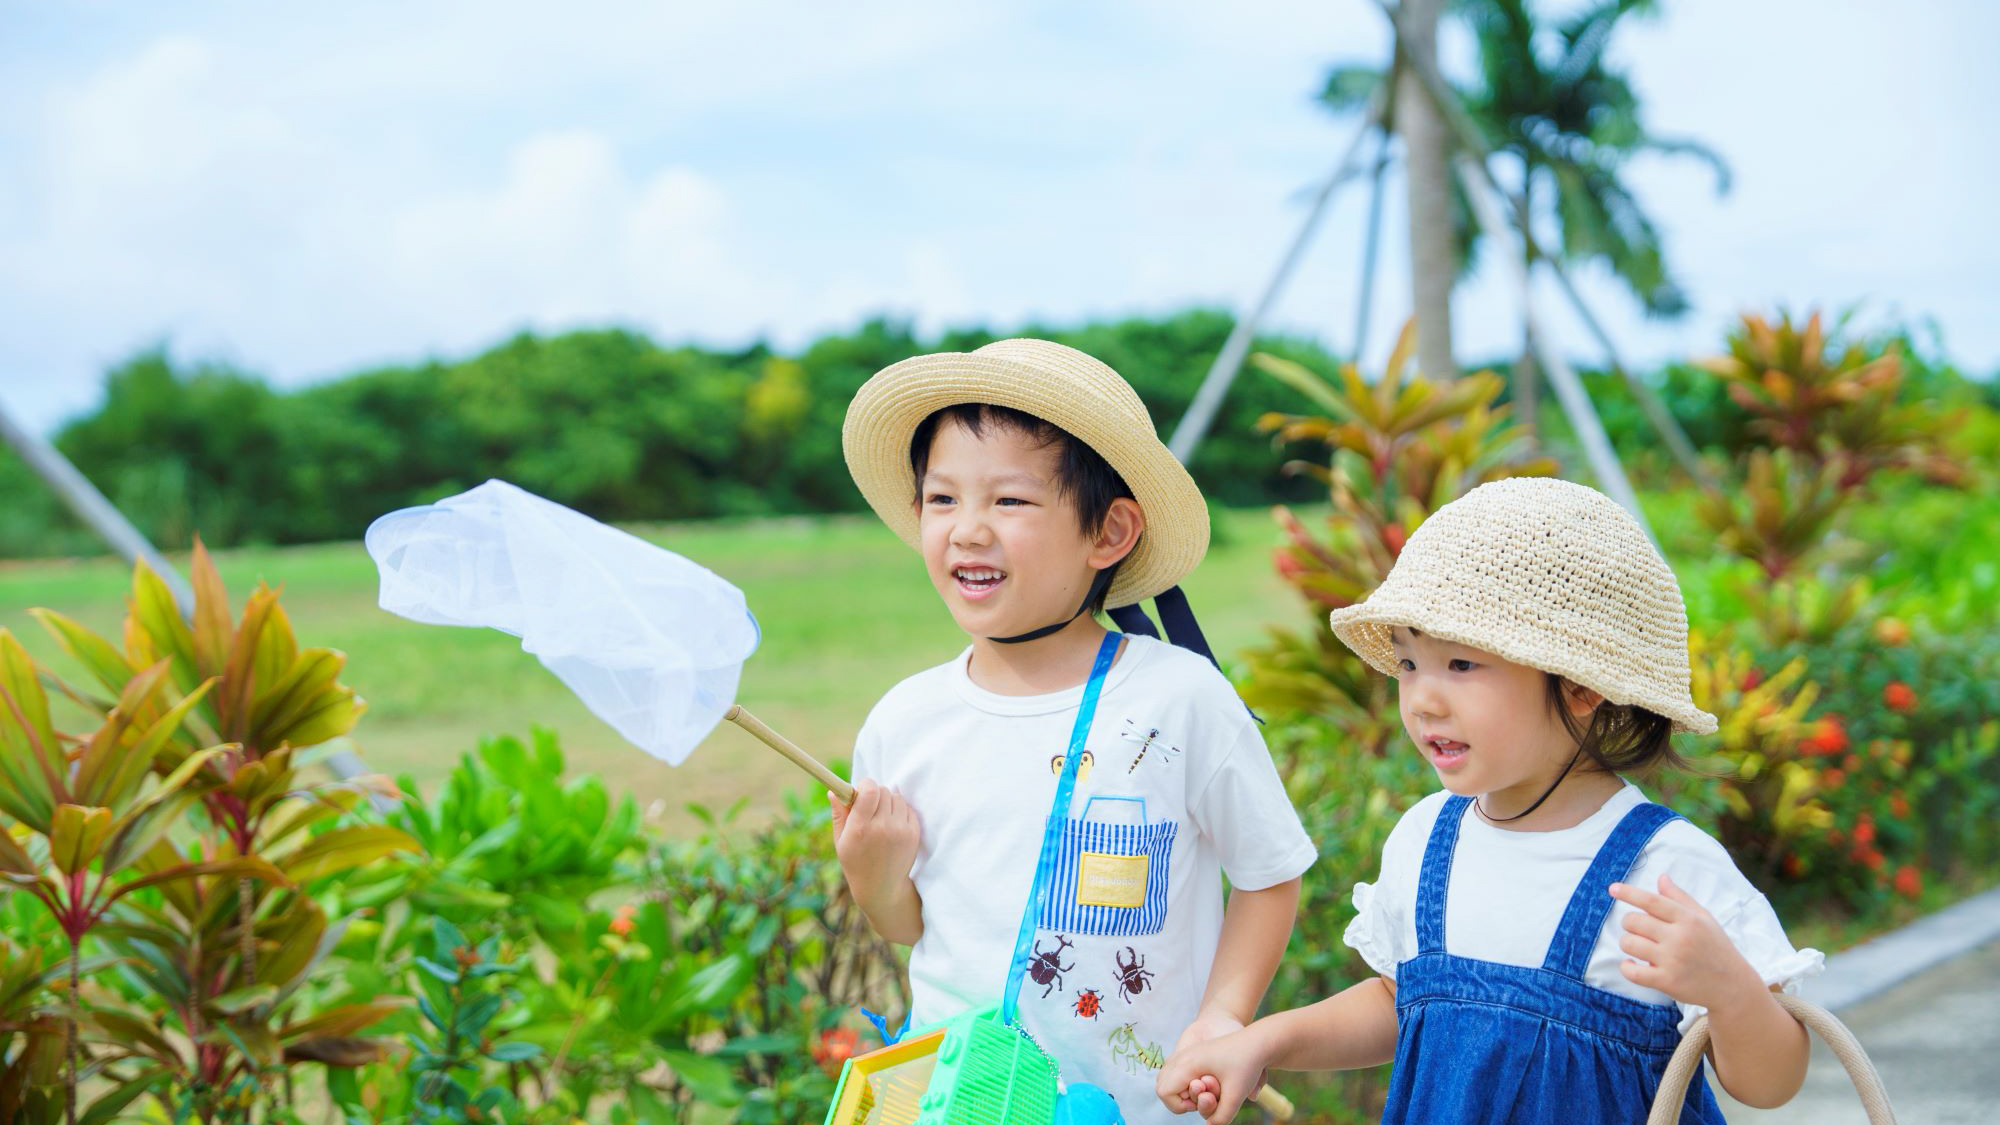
x: 1083, y: 765
x: 1128, y: 1052
x: 1133, y: 976
x: 1047, y: 967
x: 1148, y: 738
x: 1088, y: 1003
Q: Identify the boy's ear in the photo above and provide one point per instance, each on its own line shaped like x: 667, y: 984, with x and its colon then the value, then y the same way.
x: 1120, y: 533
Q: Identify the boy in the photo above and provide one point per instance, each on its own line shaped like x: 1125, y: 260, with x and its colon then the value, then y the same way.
x: 1030, y: 478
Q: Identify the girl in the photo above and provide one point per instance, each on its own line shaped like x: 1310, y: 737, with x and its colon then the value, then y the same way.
x: 1544, y: 934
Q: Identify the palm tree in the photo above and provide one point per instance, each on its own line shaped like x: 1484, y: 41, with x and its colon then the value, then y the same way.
x: 1549, y: 103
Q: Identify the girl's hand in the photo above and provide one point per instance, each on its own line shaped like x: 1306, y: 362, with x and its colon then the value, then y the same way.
x: 1213, y: 1078
x: 1686, y: 953
x: 1206, y: 1026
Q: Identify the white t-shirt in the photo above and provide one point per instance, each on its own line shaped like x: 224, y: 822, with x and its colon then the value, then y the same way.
x: 1177, y: 789
x: 1508, y: 890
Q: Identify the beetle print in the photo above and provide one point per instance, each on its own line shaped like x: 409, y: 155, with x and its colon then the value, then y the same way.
x: 1047, y: 968
x: 1147, y: 738
x: 1088, y: 1003
x: 1133, y: 976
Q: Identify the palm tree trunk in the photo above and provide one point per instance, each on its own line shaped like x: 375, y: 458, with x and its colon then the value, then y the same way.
x: 1527, y: 387
x: 1365, y: 307
x: 1426, y: 147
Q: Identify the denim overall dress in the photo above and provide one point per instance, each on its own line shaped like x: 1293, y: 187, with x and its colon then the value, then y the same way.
x: 1478, y: 1041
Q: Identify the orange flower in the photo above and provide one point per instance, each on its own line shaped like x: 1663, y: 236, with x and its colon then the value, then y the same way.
x: 1892, y: 632
x: 1874, y: 860
x: 1752, y: 678
x: 833, y: 1048
x: 1836, y: 837
x: 1864, y: 833
x: 1899, y: 697
x: 1909, y: 882
x: 1794, y: 867
x: 622, y: 923
x: 1833, y: 779
x: 1829, y: 738
x: 1393, y: 537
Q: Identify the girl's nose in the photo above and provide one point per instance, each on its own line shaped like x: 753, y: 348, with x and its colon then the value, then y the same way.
x: 1420, y: 695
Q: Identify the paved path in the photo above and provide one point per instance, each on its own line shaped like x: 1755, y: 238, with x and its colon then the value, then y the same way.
x: 1934, y: 1037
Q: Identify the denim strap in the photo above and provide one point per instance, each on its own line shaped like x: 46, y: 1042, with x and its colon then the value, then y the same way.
x: 1576, y: 934
x: 1435, y: 877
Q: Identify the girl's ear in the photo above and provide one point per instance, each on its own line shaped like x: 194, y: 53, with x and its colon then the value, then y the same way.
x: 1580, y: 700
x: 1120, y: 533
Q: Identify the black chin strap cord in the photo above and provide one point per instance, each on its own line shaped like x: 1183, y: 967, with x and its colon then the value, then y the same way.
x: 1546, y: 794
x: 1097, y: 587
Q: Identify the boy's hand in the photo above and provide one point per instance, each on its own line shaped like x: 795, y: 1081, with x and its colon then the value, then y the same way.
x: 1213, y: 1077
x: 1206, y: 1026
x: 1686, y: 953
x: 878, y: 837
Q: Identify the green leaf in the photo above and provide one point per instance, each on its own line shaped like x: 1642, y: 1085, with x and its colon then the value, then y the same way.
x: 242, y: 999
x: 344, y: 849
x: 98, y: 656
x: 712, y: 1081
x: 514, y: 1052
x: 77, y: 835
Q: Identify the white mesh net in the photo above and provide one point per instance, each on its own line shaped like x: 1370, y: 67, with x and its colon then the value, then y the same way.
x: 652, y: 643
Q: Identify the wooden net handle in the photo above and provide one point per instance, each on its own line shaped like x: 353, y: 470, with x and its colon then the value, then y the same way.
x: 1680, y: 1071
x: 841, y: 790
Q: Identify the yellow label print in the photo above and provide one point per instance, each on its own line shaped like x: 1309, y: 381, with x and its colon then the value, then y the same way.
x: 1111, y: 880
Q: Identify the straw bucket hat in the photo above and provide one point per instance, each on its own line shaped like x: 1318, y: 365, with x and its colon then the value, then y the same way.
x: 1059, y: 385
x: 1545, y: 573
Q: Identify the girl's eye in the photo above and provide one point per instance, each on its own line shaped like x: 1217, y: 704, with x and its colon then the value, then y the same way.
x: 1407, y: 665
x: 1462, y: 666
x: 937, y: 498
x: 1011, y: 500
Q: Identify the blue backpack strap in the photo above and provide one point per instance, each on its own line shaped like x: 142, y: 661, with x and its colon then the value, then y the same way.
x: 1576, y: 934
x: 1052, y: 834
x: 1435, y: 877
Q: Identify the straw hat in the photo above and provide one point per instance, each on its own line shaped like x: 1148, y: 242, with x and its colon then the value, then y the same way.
x: 1544, y: 573
x: 1059, y: 385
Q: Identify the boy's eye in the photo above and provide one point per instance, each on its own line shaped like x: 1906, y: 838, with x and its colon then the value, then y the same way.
x: 1462, y: 665
x: 1011, y: 500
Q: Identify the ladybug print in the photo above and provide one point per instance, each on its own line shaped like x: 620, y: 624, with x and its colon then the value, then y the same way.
x: 1088, y: 1003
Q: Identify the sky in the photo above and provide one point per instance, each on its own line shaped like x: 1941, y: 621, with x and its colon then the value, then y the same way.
x: 305, y: 191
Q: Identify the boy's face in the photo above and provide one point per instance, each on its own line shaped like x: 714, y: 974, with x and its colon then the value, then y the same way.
x: 1001, y: 542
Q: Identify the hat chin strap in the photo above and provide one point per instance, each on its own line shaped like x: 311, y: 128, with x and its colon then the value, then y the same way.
x: 1171, y: 604
x: 1097, y: 587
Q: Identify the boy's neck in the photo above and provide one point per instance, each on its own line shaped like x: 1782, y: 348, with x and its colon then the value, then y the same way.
x: 1057, y: 662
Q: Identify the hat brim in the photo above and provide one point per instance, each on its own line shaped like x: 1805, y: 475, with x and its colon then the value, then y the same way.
x: 887, y: 410
x: 1366, y: 630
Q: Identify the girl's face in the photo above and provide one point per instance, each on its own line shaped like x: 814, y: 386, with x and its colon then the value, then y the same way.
x: 1484, y: 723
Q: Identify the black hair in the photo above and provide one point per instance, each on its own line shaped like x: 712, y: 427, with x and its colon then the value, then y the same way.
x: 1619, y: 737
x: 1083, y: 476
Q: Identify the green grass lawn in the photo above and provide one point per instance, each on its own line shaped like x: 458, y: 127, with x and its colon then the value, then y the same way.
x: 845, y: 608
